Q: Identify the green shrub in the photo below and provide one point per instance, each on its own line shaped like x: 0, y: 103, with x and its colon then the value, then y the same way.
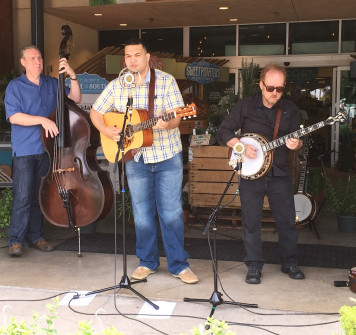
x: 348, y: 319
x: 5, y: 210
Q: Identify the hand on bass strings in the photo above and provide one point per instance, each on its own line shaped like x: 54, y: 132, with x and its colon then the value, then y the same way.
x: 49, y: 126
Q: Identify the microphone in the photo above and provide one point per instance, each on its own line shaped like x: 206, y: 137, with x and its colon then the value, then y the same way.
x: 129, y: 78
x: 239, y: 148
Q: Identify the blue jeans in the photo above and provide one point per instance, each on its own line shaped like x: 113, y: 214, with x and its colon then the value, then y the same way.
x: 26, y: 223
x: 158, y: 187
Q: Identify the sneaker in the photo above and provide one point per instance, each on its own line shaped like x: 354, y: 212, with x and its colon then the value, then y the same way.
x: 42, y: 245
x: 253, y: 276
x: 294, y: 272
x: 142, y: 272
x: 187, y: 276
x: 15, y: 249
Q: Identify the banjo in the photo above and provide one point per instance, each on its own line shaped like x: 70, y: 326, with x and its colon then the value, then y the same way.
x: 304, y: 203
x: 256, y: 168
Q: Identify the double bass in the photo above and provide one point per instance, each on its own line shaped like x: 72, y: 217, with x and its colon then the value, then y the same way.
x: 76, y: 191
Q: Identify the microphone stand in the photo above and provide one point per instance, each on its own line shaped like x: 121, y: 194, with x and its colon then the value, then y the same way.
x: 216, y: 297
x: 125, y: 281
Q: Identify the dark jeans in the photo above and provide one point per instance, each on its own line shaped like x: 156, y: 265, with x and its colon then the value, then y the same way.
x: 281, y: 201
x: 26, y: 223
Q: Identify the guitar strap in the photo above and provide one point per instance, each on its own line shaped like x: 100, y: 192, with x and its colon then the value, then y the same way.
x: 278, y: 120
x: 151, y: 93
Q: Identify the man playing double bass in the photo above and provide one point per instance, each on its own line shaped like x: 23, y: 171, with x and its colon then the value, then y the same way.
x: 29, y: 100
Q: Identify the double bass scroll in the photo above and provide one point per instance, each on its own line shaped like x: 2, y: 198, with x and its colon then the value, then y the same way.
x: 76, y: 191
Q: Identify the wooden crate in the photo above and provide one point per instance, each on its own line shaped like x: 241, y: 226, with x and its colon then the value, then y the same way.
x: 209, y: 174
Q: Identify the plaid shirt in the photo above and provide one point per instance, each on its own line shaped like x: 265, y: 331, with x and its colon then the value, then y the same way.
x: 166, y: 142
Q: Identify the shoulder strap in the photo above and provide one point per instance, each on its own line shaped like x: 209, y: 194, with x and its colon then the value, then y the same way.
x: 151, y: 93
x: 278, y: 119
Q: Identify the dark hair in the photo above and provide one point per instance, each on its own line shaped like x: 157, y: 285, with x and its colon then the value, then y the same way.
x: 274, y: 67
x: 136, y: 41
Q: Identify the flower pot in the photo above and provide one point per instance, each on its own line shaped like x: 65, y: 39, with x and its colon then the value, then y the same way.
x: 346, y: 224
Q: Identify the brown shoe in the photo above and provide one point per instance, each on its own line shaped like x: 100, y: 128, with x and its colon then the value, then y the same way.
x: 42, y: 245
x: 15, y: 249
x: 187, y: 276
x: 141, y: 273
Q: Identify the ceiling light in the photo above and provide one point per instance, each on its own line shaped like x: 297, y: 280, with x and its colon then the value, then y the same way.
x: 223, y: 7
x: 98, y: 14
x: 233, y: 20
x: 123, y: 24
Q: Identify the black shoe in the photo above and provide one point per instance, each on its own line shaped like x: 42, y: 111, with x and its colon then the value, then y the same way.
x: 294, y: 272
x: 253, y: 276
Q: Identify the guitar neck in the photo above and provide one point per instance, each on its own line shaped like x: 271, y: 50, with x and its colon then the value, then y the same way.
x: 152, y: 122
x: 299, y: 133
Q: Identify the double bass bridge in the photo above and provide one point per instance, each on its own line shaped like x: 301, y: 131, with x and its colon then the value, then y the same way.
x: 64, y: 170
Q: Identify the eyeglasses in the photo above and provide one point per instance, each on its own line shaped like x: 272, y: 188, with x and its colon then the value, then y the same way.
x: 270, y: 89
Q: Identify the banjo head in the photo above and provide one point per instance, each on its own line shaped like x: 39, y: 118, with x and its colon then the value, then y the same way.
x: 255, y: 168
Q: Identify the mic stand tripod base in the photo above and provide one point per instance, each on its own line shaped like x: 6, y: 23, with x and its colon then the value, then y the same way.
x: 126, y: 283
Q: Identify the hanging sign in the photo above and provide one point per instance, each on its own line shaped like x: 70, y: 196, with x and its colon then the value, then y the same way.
x: 202, y: 72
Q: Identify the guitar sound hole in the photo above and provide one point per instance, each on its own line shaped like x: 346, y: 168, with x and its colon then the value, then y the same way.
x: 129, y: 132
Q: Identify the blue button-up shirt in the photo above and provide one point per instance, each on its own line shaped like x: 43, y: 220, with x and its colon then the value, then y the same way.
x: 23, y: 96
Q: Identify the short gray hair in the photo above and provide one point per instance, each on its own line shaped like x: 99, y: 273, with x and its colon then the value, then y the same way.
x: 28, y: 47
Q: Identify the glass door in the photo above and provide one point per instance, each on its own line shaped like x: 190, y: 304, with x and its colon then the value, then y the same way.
x: 343, y: 133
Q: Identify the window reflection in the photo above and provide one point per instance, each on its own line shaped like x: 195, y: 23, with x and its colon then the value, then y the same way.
x: 213, y: 41
x: 348, y: 36
x: 262, y: 39
x: 313, y: 37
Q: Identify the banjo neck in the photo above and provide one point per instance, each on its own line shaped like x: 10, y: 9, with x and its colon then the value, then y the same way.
x: 296, y: 134
x: 303, y: 131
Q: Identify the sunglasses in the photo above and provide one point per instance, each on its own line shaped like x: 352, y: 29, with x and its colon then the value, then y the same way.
x: 270, y: 89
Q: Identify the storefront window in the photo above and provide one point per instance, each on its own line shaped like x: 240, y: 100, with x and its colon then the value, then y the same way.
x: 262, y: 39
x: 213, y: 41
x: 116, y: 38
x: 313, y: 37
x: 164, y: 40
x: 348, y: 36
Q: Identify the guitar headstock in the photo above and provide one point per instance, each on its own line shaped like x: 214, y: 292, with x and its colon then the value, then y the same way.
x: 339, y: 117
x: 187, y: 111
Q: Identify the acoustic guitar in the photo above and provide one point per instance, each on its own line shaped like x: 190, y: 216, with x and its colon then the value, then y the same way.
x: 138, y: 131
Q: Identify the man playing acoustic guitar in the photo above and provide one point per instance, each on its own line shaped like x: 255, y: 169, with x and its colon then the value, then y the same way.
x: 155, y: 173
x: 268, y: 115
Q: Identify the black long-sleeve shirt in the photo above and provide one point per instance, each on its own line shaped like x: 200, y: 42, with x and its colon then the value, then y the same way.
x: 251, y: 116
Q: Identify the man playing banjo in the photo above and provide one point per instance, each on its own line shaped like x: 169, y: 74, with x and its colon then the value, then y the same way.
x: 264, y: 117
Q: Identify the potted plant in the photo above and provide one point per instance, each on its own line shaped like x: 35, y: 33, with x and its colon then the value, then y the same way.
x: 249, y: 78
x: 218, y: 112
x: 341, y: 199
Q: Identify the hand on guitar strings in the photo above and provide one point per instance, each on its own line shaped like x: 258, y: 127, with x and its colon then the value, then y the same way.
x: 113, y: 133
